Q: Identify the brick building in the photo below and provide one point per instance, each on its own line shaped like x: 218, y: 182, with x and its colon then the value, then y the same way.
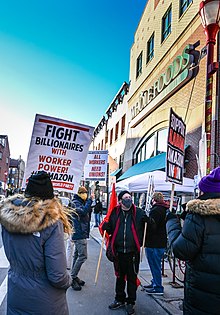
x: 167, y: 71
x: 4, y: 163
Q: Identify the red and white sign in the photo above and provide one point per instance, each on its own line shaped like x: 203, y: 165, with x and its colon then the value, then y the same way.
x: 58, y: 147
x: 96, y: 166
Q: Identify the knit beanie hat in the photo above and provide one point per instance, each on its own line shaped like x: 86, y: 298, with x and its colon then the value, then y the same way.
x: 157, y: 196
x: 211, y: 182
x: 39, y: 185
x: 122, y: 193
x: 82, y: 190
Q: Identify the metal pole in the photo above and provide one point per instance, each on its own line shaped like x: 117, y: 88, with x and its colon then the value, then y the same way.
x: 208, y: 103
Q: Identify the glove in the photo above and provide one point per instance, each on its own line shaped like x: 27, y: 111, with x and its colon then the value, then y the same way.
x: 170, y: 215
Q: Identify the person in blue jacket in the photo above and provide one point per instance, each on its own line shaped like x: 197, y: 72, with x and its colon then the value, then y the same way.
x: 81, y: 217
x: 33, y: 228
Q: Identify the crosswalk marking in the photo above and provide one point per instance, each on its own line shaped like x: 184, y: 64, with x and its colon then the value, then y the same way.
x: 3, y: 260
x: 3, y: 290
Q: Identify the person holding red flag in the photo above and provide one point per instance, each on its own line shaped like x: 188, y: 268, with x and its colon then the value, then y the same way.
x: 124, y: 225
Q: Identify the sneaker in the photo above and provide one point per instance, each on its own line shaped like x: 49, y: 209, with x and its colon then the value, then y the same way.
x: 130, y: 309
x: 79, y: 281
x: 116, y: 304
x: 153, y: 291
x: 75, y: 285
x: 149, y: 286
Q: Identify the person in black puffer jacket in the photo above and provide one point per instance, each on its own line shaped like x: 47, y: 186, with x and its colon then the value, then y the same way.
x: 198, y: 244
x: 156, y: 241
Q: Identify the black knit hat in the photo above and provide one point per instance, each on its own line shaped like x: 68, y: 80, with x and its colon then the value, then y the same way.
x: 39, y: 185
x: 122, y: 193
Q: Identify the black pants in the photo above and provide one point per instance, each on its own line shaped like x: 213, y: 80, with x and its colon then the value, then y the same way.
x: 128, y: 267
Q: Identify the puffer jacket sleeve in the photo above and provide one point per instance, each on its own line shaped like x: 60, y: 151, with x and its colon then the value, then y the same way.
x: 55, y: 258
x: 186, y: 242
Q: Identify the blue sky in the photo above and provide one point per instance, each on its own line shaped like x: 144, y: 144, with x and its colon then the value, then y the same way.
x: 64, y: 59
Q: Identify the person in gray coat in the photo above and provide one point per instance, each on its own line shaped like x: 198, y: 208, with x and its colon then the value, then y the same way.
x: 33, y: 228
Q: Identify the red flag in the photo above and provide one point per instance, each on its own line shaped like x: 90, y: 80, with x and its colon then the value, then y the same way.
x: 113, y: 203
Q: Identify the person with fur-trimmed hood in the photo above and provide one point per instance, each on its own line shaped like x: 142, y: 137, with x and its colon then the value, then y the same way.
x: 198, y: 244
x: 33, y: 227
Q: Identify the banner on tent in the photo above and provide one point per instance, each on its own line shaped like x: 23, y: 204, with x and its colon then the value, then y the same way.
x: 175, y: 149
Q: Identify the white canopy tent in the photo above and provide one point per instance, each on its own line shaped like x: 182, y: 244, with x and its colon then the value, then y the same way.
x: 139, y: 183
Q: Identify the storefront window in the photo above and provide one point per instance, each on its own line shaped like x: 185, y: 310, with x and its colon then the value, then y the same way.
x: 154, y: 145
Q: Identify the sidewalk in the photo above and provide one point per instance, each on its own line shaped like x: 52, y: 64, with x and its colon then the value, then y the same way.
x: 172, y: 299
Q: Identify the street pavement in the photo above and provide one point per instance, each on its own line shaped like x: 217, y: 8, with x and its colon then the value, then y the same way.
x: 172, y: 299
x: 94, y: 299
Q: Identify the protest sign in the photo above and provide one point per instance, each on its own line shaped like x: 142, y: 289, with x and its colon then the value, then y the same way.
x: 96, y: 165
x: 175, y: 149
x: 58, y: 147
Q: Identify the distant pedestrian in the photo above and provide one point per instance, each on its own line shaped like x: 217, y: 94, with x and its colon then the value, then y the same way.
x: 98, y: 212
x: 156, y: 241
x: 81, y: 223
x: 197, y: 242
x: 125, y: 224
x: 33, y: 227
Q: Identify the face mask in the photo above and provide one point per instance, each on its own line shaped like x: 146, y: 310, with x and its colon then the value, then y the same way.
x: 83, y: 196
x: 127, y: 203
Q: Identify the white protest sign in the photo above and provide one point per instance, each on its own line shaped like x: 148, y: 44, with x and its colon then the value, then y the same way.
x: 58, y: 147
x: 96, y: 165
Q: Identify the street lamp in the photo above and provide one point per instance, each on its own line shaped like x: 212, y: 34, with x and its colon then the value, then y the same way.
x: 210, y: 15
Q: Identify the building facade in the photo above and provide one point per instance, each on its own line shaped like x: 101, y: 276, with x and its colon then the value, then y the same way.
x: 16, y: 175
x: 4, y: 163
x: 167, y: 70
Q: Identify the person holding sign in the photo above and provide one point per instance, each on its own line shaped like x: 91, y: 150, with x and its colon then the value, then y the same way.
x: 197, y: 243
x: 156, y: 242
x: 81, y: 222
x: 33, y: 229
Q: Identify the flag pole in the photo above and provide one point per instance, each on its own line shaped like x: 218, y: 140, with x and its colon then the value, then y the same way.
x: 100, y: 256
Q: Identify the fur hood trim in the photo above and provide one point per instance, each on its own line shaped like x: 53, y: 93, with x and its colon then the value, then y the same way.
x: 204, y: 207
x: 27, y: 215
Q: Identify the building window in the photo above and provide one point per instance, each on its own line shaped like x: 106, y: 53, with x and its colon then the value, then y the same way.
x: 111, y: 136
x: 106, y: 136
x: 116, y: 131
x: 99, y: 146
x: 123, y: 124
x: 152, y: 146
x: 139, y: 65
x: 184, y: 5
x: 102, y: 145
x: 150, y: 48
x: 121, y: 160
x: 166, y: 24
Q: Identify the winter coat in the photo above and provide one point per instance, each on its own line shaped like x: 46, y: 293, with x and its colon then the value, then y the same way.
x: 156, y: 226
x: 33, y: 239
x: 129, y: 225
x: 198, y: 244
x: 81, y: 217
x: 98, y: 207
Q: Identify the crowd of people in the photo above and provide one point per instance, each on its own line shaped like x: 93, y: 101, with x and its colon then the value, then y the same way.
x: 33, y: 229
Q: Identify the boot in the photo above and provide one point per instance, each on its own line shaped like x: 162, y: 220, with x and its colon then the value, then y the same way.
x: 75, y: 285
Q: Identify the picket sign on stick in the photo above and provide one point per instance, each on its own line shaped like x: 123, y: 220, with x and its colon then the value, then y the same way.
x: 142, y: 248
x: 172, y: 197
x: 150, y: 190
x: 100, y: 256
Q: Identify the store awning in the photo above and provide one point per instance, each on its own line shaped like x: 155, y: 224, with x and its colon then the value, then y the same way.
x: 116, y: 172
x: 155, y: 163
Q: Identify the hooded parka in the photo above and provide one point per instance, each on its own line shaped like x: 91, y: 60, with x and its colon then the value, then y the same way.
x: 198, y: 243
x: 33, y: 239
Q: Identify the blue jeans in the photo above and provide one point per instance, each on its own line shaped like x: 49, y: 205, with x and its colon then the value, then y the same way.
x: 154, y: 257
x: 97, y: 219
